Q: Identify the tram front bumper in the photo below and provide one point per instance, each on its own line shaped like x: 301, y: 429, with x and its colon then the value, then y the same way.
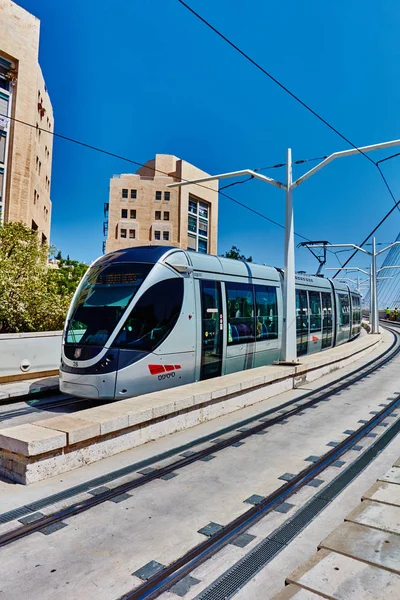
x: 101, y: 387
x: 79, y: 389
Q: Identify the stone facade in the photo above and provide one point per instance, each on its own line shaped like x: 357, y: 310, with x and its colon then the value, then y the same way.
x: 142, y: 210
x: 26, y: 160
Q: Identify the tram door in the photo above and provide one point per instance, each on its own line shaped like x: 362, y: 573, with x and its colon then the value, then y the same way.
x: 327, y: 329
x: 301, y: 322
x: 211, y: 329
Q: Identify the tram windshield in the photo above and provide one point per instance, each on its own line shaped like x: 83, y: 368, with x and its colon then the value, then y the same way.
x: 102, y: 300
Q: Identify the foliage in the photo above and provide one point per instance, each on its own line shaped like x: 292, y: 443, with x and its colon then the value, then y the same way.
x: 234, y: 253
x: 33, y: 297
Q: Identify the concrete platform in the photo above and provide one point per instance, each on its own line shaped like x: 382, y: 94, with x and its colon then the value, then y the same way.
x: 360, y: 560
x: 100, y: 432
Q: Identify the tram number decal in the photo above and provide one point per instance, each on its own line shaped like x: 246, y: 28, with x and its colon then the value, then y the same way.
x: 166, y: 375
x: 75, y: 363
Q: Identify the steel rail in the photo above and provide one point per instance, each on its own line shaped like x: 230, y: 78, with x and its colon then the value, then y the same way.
x: 170, y: 575
x: 80, y: 507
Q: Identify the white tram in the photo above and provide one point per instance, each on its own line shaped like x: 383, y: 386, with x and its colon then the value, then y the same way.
x: 152, y: 317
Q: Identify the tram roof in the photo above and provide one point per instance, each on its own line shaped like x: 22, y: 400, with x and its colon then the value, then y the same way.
x: 142, y: 254
x: 211, y: 264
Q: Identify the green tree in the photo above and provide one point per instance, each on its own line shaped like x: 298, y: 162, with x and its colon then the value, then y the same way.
x: 33, y: 297
x: 234, y: 253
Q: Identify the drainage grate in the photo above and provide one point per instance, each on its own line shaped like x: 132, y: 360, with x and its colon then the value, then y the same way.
x: 233, y: 579
x: 284, y: 534
x: 237, y: 576
x: 14, y: 514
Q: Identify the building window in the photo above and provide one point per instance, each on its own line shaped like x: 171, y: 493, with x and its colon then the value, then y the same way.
x: 124, y: 213
x: 158, y: 195
x: 157, y: 215
x: 192, y: 206
x: 40, y: 166
x: 2, y: 147
x: 165, y: 235
x: 133, y: 193
x: 166, y: 195
x: 166, y: 215
x: 192, y: 242
x: 132, y: 234
x: 123, y: 233
x: 34, y: 226
x: 124, y: 193
x: 202, y: 246
x: 157, y: 235
x: 34, y: 197
x: 198, y: 225
x: 133, y: 214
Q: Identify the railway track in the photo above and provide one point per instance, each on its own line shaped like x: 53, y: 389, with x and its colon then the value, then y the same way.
x: 175, y: 571
x: 33, y: 405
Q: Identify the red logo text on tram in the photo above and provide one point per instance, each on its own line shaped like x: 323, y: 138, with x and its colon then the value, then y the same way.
x: 164, y: 371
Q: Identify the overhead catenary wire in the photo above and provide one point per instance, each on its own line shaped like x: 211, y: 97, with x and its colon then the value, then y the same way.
x: 304, y: 104
x: 371, y: 234
x: 139, y: 164
x: 274, y: 79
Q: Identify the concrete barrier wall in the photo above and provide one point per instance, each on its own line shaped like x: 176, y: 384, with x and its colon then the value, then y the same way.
x: 25, y: 355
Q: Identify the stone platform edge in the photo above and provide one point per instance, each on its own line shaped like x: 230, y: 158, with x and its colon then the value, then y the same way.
x: 23, y: 389
x: 28, y: 376
x: 33, y: 452
x: 360, y: 558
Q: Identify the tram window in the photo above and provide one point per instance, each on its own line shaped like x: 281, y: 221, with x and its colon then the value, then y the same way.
x: 153, y: 317
x: 266, y: 312
x: 315, y: 311
x: 240, y: 302
x: 101, y: 301
x: 344, y: 312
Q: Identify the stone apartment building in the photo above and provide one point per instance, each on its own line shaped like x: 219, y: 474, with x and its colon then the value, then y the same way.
x: 142, y: 210
x: 25, y: 152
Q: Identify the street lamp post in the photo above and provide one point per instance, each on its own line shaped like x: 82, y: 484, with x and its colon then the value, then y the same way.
x: 289, y: 351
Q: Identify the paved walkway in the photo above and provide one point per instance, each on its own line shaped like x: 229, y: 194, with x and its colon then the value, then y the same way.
x: 361, y: 558
x: 13, y: 389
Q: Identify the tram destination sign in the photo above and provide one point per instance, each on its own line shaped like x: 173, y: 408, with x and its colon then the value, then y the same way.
x: 116, y: 278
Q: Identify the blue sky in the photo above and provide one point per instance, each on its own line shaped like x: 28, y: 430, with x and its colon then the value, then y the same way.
x: 139, y: 77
